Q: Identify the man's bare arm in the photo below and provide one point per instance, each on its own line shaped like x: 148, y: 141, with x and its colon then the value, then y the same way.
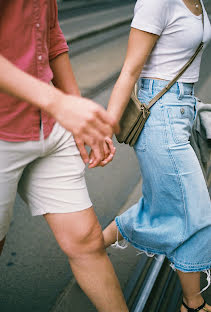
x: 63, y: 76
x: 25, y: 87
x: 86, y: 124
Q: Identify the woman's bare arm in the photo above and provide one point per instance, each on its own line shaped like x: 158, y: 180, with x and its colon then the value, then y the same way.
x: 140, y: 45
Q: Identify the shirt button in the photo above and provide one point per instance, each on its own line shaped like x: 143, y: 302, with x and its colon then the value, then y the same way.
x: 182, y: 110
x: 40, y: 57
x: 37, y: 25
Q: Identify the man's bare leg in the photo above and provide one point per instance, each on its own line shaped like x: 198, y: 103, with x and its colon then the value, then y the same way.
x: 80, y: 236
x: 2, y: 245
x: 191, y: 290
x: 110, y: 234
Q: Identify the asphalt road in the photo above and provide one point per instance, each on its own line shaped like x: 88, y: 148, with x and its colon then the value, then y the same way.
x: 33, y: 270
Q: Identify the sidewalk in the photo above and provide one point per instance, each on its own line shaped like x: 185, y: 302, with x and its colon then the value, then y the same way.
x: 124, y: 261
x: 95, y: 22
x: 93, y: 67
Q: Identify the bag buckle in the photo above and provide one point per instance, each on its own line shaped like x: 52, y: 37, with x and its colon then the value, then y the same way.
x: 144, y: 108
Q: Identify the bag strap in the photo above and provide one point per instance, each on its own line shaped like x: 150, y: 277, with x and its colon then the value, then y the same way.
x: 182, y: 70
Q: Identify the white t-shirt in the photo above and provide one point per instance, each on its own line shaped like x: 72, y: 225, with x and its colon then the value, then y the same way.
x: 180, y: 34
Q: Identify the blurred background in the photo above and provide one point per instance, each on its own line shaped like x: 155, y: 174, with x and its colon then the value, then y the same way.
x: 34, y: 273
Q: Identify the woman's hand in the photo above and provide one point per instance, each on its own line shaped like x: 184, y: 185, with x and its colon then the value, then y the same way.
x: 109, y: 152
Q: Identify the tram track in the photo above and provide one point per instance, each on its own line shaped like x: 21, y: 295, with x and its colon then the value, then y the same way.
x: 153, y: 287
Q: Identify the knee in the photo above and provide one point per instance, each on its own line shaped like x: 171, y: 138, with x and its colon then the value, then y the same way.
x: 85, y: 241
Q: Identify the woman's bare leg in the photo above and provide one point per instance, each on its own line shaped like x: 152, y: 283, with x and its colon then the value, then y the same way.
x: 190, y: 281
x: 191, y: 290
x: 110, y: 234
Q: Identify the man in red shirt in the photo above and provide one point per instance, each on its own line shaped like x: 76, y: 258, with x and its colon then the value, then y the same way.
x: 39, y: 155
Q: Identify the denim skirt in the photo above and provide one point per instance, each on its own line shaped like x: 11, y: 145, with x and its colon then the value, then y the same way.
x: 173, y: 217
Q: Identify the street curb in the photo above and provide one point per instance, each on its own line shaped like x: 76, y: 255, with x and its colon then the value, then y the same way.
x: 95, y: 30
x: 92, y: 29
x: 68, y: 6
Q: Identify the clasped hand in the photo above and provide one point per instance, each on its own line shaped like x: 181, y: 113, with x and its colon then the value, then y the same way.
x: 90, y: 125
x: 107, y: 152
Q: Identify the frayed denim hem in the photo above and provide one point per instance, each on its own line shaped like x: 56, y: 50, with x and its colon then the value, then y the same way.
x: 191, y: 268
x: 151, y: 253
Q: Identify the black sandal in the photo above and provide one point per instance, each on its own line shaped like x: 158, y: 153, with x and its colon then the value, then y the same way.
x: 202, y: 307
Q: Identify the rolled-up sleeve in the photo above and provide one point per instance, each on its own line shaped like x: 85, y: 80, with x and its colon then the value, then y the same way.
x: 58, y: 43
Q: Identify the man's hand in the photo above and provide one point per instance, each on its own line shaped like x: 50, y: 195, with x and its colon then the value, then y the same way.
x: 89, y: 123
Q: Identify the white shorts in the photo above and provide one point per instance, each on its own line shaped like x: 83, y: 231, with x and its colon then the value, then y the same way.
x: 48, y: 174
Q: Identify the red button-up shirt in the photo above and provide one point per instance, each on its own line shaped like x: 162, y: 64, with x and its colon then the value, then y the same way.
x: 30, y: 37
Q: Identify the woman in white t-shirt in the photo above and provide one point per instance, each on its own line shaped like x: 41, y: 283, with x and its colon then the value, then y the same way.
x: 173, y: 217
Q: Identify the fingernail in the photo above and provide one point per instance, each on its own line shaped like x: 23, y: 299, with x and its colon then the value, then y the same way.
x: 91, y: 161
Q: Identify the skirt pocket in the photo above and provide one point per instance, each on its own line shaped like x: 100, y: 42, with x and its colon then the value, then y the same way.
x: 181, y: 119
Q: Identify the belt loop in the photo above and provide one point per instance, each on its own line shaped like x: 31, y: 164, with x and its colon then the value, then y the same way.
x: 181, y: 90
x: 151, y: 86
x: 193, y: 90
